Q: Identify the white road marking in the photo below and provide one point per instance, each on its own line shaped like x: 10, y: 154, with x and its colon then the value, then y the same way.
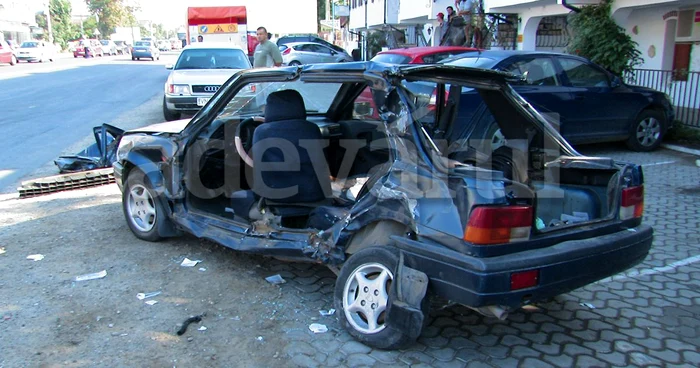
x: 652, y: 271
x: 660, y: 163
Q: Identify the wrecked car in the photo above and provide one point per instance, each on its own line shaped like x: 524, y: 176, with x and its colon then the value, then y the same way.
x: 402, y: 203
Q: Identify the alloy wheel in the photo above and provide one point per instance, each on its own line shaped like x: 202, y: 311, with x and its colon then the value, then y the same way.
x: 366, y: 296
x: 648, y: 131
x: 141, y: 208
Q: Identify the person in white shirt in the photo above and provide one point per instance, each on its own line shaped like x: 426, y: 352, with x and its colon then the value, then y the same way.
x: 465, y: 9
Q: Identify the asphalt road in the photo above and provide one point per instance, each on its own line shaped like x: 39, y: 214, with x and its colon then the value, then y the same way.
x: 49, y: 106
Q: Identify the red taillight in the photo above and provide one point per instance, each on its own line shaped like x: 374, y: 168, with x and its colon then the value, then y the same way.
x: 497, y: 225
x: 524, y: 280
x: 632, y: 203
x: 287, y: 51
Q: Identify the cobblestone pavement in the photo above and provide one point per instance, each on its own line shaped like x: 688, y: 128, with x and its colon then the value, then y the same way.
x: 648, y: 318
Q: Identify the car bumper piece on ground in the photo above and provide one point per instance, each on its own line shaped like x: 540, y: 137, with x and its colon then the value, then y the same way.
x: 478, y: 282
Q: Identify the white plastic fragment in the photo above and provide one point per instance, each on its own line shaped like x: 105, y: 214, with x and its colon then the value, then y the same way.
x: 329, y: 312
x: 202, y: 328
x: 318, y: 328
x: 275, y: 279
x: 2, y: 250
x: 142, y: 296
x: 151, y: 302
x: 91, y: 276
x: 189, y: 263
x: 588, y: 305
x: 35, y: 257
x: 202, y: 269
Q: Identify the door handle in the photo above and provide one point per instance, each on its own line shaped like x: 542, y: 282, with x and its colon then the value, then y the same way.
x: 579, y: 96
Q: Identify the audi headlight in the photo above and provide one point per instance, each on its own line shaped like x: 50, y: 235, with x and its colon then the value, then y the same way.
x: 177, y: 89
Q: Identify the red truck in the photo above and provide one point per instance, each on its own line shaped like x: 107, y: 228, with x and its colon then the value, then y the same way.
x: 218, y: 24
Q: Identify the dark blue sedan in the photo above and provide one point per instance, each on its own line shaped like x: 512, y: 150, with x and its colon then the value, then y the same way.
x: 587, y: 103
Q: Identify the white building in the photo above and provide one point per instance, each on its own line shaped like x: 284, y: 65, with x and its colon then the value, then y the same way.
x: 16, y: 18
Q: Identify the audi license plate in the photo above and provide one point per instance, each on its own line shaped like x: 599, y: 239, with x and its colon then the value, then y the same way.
x: 201, y: 101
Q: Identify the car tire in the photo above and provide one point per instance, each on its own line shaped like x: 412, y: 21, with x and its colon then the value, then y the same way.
x: 294, y: 63
x: 143, y: 209
x: 139, y: 59
x: 133, y: 58
x: 371, y: 330
x: 647, y: 131
x: 13, y: 60
x: 169, y: 115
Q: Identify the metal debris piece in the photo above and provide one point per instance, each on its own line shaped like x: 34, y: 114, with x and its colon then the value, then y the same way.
x: 329, y: 312
x: 189, y: 263
x: 318, y: 328
x: 151, y: 302
x: 588, y: 305
x: 35, y: 257
x: 91, y: 276
x: 275, y: 279
x: 142, y: 296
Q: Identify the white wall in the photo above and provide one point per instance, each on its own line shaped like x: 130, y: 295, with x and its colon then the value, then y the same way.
x: 651, y: 30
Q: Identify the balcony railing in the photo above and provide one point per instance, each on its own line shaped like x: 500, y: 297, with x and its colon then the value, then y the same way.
x: 681, y: 85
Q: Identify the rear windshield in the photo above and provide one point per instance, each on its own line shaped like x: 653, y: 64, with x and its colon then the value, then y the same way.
x: 475, y: 61
x: 142, y: 43
x: 29, y: 44
x: 213, y: 59
x: 391, y: 58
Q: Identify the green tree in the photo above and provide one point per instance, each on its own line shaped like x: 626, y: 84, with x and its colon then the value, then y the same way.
x: 597, y: 37
x: 110, y: 13
x: 320, y: 13
x: 62, y: 28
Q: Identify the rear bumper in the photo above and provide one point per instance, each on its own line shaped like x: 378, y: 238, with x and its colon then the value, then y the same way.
x: 569, y: 265
x: 138, y: 54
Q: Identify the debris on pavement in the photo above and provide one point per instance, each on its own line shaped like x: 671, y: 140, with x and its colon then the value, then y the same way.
x: 202, y: 328
x: 91, y: 276
x: 260, y: 338
x: 189, y: 263
x: 275, y: 279
x: 329, y: 312
x: 142, y: 296
x: 194, y: 319
x: 151, y: 302
x: 2, y: 250
x: 202, y: 269
x: 35, y: 257
x: 587, y: 305
x: 318, y: 328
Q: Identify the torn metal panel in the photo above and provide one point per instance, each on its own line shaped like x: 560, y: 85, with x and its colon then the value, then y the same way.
x: 100, y: 154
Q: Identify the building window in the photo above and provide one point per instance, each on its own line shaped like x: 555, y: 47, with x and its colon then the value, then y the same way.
x: 681, y: 61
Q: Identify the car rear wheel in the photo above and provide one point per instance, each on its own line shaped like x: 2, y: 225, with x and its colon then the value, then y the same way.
x: 362, y: 296
x: 647, y: 131
x: 168, y: 114
x: 13, y: 60
x: 294, y: 63
x: 142, y: 208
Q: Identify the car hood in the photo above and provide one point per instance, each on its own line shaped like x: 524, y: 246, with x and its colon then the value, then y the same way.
x: 645, y: 90
x: 201, y: 76
x: 171, y: 127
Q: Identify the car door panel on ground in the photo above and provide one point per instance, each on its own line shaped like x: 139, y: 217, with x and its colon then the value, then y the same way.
x: 543, y: 88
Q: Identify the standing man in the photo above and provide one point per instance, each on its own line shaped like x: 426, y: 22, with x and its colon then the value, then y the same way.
x: 465, y: 9
x: 440, y: 30
x: 267, y: 54
x: 200, y: 38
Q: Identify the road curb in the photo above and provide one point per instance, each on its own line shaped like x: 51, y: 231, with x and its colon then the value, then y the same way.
x: 682, y: 149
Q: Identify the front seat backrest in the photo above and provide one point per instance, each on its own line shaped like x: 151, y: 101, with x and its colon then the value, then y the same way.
x: 286, y: 129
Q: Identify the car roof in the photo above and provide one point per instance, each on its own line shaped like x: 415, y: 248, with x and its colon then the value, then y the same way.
x: 289, y: 44
x: 212, y: 45
x: 502, y: 54
x: 426, y: 50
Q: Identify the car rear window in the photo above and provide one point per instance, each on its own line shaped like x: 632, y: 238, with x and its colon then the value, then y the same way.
x: 142, y: 43
x: 392, y: 58
x: 29, y: 44
x: 213, y: 59
x: 475, y: 61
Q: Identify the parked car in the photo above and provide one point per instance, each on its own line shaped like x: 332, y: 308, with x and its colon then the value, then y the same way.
x: 145, y: 49
x: 590, y: 103
x: 198, y: 73
x: 164, y: 45
x: 123, y: 48
x: 7, y: 53
x: 392, y: 204
x: 420, y: 55
x: 297, y: 53
x: 94, y: 49
x: 308, y: 38
x: 175, y: 44
x: 36, y: 51
x: 108, y: 47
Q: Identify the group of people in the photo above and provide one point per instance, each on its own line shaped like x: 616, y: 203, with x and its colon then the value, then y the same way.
x: 462, y: 15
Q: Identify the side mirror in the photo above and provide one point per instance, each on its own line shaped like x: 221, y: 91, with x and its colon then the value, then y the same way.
x: 615, y: 82
x: 169, y: 66
x: 333, y: 52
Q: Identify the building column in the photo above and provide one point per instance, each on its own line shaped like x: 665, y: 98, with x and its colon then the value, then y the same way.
x: 669, y: 46
x: 527, y: 33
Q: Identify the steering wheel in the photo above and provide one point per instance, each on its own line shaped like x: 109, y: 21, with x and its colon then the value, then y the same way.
x: 244, y: 138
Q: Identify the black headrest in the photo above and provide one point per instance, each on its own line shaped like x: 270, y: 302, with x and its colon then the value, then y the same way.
x: 285, y: 105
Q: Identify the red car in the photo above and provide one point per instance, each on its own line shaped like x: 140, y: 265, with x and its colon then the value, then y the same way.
x: 7, y: 53
x: 94, y: 46
x: 420, y: 55
x: 364, y: 105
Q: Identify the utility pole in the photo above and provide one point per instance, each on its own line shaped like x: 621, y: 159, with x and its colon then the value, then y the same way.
x: 47, y: 4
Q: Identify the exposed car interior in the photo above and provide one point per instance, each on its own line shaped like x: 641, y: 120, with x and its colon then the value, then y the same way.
x: 250, y: 138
